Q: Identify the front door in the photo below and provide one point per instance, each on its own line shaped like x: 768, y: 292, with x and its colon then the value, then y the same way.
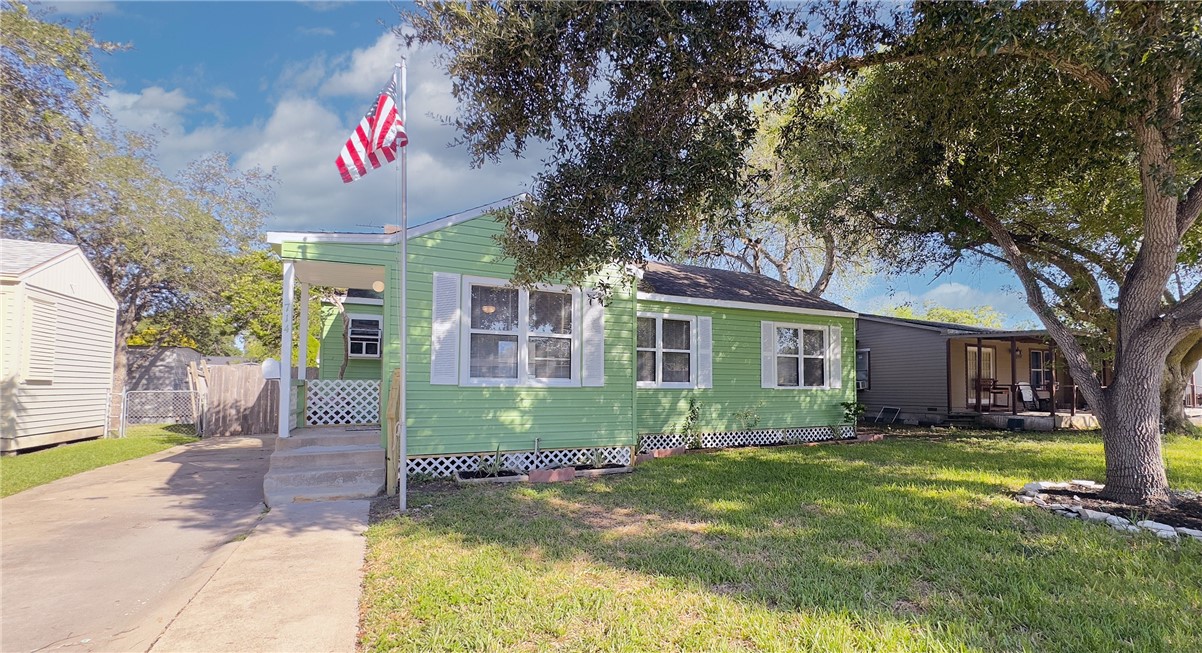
x: 986, y: 356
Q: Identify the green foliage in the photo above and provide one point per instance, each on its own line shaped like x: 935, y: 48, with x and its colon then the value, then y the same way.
x: 494, y: 465
x: 748, y: 418
x: 688, y: 425
x: 26, y: 470
x: 852, y: 411
x: 49, y: 88
x: 985, y: 316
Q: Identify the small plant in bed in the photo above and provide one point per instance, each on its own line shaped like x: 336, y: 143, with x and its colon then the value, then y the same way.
x: 595, y: 459
x: 491, y: 467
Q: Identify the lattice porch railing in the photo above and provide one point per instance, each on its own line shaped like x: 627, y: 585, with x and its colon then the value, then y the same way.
x: 330, y: 402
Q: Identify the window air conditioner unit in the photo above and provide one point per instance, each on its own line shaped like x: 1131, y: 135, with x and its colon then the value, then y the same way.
x: 861, y: 385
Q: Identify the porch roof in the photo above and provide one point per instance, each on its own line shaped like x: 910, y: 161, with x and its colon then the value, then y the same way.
x: 337, y: 275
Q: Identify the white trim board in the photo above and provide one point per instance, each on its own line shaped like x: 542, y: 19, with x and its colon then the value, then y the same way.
x: 280, y: 237
x: 721, y: 303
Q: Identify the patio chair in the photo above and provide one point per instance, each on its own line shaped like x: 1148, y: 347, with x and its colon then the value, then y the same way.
x: 1026, y: 394
x: 989, y: 390
x: 1044, y: 397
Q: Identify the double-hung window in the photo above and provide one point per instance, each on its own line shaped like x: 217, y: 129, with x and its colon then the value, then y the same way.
x: 363, y: 336
x: 1041, y: 368
x: 800, y: 357
x: 520, y: 337
x: 666, y: 351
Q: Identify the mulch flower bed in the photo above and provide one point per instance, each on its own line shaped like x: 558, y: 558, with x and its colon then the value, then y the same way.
x: 1186, y: 513
x: 1083, y: 500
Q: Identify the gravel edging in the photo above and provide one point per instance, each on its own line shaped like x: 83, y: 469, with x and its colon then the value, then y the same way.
x: 1035, y: 494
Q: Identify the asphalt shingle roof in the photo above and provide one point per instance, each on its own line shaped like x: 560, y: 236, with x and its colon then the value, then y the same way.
x: 699, y: 282
x: 18, y: 256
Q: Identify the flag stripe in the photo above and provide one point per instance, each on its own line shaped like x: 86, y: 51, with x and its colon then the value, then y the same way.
x: 375, y: 139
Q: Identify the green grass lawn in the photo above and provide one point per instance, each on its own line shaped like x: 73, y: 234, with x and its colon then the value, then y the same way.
x: 23, y: 471
x: 913, y: 544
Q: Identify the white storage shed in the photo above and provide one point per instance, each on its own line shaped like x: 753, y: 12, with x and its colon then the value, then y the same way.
x: 56, y: 345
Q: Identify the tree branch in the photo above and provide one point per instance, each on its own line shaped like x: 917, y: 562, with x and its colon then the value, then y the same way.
x: 1074, y: 354
x: 1189, y: 208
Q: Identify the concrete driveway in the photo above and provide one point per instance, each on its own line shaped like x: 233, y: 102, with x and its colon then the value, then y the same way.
x: 104, y: 560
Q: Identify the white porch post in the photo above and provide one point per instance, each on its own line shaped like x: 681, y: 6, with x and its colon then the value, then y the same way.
x: 286, y: 347
x: 302, y: 347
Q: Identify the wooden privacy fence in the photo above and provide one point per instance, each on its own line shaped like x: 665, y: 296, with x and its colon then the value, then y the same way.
x: 238, y: 400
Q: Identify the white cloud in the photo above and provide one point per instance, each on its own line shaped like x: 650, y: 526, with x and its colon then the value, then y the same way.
x: 152, y: 107
x: 80, y: 7
x: 320, y: 102
x: 223, y: 92
x: 315, y: 31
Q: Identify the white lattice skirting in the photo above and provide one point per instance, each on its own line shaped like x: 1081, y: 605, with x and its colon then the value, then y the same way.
x: 750, y: 438
x: 330, y: 402
x: 524, y: 461
x: 521, y: 461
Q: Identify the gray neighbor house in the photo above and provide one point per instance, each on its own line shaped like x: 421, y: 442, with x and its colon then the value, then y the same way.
x: 937, y: 372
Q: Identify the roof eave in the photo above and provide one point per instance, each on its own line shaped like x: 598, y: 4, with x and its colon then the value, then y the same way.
x: 752, y: 306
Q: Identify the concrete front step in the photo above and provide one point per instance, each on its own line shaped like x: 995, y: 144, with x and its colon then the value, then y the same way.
x: 368, y: 457
x: 328, y: 439
x: 325, y: 464
x: 331, y: 475
x: 284, y: 495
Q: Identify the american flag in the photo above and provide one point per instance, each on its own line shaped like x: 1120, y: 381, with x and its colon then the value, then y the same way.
x: 375, y: 139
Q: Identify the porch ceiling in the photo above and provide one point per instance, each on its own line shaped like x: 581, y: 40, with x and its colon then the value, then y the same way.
x: 338, y: 275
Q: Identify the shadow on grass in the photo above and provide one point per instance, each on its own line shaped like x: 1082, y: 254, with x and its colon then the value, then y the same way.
x: 913, y: 532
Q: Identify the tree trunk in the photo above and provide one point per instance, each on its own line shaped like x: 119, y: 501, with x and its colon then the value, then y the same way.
x: 1180, y: 364
x: 125, y: 327
x: 1130, y: 417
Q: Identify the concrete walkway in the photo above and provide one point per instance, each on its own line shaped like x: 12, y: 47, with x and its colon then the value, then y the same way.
x: 173, y: 552
x: 292, y: 585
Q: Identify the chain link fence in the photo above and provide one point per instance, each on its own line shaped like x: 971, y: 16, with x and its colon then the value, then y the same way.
x: 178, y: 411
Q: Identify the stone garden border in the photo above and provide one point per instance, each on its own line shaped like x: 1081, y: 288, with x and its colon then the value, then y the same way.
x: 1033, y: 494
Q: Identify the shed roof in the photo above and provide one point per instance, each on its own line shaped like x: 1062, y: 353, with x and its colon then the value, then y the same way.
x: 694, y: 281
x: 20, y: 256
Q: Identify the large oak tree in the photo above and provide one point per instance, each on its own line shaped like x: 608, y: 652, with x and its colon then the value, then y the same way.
x: 649, y: 110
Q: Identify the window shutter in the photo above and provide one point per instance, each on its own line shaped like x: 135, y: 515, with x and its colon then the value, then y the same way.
x: 834, y: 357
x: 592, y: 358
x: 705, y: 357
x: 444, y: 330
x: 767, y: 355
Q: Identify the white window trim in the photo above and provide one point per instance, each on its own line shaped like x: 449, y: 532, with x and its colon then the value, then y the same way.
x: 659, y: 352
x: 379, y: 320
x: 826, y: 357
x: 523, y: 334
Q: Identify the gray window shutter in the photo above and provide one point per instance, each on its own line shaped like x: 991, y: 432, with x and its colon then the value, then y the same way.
x: 834, y: 357
x: 767, y: 355
x: 705, y: 357
x: 592, y: 355
x: 444, y: 330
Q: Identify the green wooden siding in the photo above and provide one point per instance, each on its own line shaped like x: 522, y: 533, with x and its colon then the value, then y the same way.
x: 448, y: 419
x: 331, y: 347
x: 737, y: 402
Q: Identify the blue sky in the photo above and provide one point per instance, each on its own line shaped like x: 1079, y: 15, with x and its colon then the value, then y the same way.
x: 281, y: 84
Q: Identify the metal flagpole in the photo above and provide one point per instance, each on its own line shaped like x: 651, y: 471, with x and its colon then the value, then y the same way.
x: 402, y: 432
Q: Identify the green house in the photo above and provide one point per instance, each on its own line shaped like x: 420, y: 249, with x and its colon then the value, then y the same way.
x: 683, y: 356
